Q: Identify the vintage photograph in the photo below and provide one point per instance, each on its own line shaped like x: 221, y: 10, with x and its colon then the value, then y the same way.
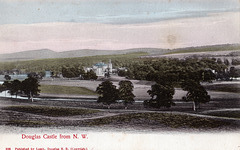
x: 119, y: 74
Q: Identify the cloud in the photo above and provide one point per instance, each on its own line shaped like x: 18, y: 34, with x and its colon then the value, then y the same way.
x: 220, y: 28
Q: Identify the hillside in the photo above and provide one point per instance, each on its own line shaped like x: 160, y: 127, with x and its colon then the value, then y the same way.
x: 55, y: 64
x: 46, y: 53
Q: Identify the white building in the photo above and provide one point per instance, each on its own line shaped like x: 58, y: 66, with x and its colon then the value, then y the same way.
x: 101, y: 68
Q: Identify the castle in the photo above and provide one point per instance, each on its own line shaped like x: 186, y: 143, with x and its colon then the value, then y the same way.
x: 101, y: 69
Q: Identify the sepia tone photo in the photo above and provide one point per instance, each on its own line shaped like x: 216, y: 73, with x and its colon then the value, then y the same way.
x: 119, y: 74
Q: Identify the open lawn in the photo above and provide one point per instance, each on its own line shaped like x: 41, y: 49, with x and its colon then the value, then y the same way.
x: 234, y: 88
x: 68, y: 90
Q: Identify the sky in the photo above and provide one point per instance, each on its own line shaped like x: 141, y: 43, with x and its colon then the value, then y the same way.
x: 116, y: 24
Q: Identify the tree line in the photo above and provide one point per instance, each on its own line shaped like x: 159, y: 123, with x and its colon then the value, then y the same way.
x: 28, y: 87
x: 78, y: 72
x: 168, y: 74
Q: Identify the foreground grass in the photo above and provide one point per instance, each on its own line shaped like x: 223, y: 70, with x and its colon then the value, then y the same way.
x: 229, y: 114
x: 164, y: 120
x: 29, y: 123
x: 58, y: 89
x: 234, y: 88
x: 51, y: 111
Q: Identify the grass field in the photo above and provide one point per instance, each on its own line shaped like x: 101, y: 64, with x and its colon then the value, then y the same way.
x: 69, y: 90
x: 51, y: 111
x: 229, y: 114
x: 170, y: 120
x: 234, y: 88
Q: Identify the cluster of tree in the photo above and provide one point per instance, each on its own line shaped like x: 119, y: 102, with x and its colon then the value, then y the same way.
x: 167, y: 73
x: 108, y: 93
x: 174, y: 70
x: 28, y: 87
x: 225, y: 61
x: 228, y: 74
x: 38, y: 76
x: 72, y: 72
x: 78, y: 72
x: 235, y: 62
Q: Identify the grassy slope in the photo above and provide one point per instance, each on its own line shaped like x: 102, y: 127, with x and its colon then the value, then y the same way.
x: 230, y: 114
x: 205, y: 49
x: 158, y: 119
x: 57, y: 89
x: 51, y: 111
x: 57, y: 63
x: 145, y: 120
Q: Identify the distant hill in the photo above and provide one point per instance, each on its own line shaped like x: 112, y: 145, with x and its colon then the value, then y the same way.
x: 46, y: 53
x: 28, y: 55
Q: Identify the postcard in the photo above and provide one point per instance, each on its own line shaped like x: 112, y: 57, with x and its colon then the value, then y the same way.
x: 119, y: 74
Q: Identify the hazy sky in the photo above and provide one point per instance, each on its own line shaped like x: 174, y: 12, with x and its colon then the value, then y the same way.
x: 108, y: 11
x: 116, y: 24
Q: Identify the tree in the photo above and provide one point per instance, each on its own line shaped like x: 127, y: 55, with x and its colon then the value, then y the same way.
x: 108, y: 93
x: 15, y: 87
x: 72, y: 72
x: 2, y: 88
x: 35, y: 75
x: 90, y: 75
x: 226, y: 62
x: 30, y: 87
x: 233, y: 73
x: 195, y: 93
x: 219, y: 61
x: 122, y: 73
x: 162, y: 95
x: 235, y: 62
x: 208, y: 76
x: 125, y: 92
x: 7, y: 77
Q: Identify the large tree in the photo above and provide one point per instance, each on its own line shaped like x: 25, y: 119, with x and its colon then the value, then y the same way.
x: 15, y: 87
x: 90, y: 75
x: 126, y: 92
x: 162, y: 95
x: 30, y: 87
x: 108, y: 93
x: 195, y: 93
